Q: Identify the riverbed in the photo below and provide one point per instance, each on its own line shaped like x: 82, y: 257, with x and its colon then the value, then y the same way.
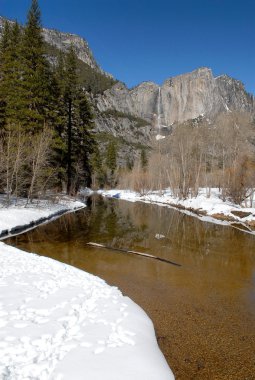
x: 203, y: 311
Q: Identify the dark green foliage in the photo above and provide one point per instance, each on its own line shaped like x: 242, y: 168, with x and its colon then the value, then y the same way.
x: 92, y: 80
x: 36, y: 74
x: 118, y: 114
x: 74, y: 130
x: 88, y: 78
x: 26, y: 79
x: 105, y: 138
x: 144, y: 159
x: 129, y: 163
x: 37, y: 98
x: 11, y: 87
x: 111, y: 156
x: 99, y: 174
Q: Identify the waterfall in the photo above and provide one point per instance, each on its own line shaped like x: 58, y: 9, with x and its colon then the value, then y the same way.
x: 159, y: 109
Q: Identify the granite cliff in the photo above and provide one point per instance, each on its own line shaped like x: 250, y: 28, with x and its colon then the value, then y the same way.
x: 132, y: 116
x: 62, y: 41
x: 180, y: 98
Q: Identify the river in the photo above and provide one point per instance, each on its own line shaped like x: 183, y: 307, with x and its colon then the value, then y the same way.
x: 203, y: 311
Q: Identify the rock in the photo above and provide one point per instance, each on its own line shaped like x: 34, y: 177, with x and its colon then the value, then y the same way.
x: 241, y: 214
x: 180, y: 98
x: 63, y: 41
x: 227, y: 218
x: 251, y: 223
x: 189, y: 96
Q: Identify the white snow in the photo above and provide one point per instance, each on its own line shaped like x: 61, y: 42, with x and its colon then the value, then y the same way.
x: 159, y: 236
x: 211, y: 205
x: 58, y: 322
x: 226, y: 107
x: 160, y: 137
x: 24, y: 215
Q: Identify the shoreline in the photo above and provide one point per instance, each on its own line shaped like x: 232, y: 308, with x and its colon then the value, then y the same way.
x: 36, y: 216
x: 224, y: 213
x: 58, y: 321
x: 60, y: 336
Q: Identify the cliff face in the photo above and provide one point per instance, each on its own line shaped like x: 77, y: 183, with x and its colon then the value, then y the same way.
x: 62, y: 41
x: 130, y: 134
x: 180, y: 98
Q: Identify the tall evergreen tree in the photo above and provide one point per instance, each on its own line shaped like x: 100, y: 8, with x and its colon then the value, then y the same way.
x: 84, y: 142
x: 111, y: 156
x: 4, y: 46
x: 76, y: 123
x: 11, y: 80
x: 70, y: 96
x: 144, y: 159
x: 99, y: 175
x: 37, y: 78
x: 33, y: 96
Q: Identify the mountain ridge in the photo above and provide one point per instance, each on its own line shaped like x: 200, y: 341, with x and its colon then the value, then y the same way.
x: 63, y: 40
x: 178, y: 99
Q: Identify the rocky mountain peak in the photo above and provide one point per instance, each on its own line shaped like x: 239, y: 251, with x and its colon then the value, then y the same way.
x: 181, y: 98
x: 63, y: 41
x: 201, y: 72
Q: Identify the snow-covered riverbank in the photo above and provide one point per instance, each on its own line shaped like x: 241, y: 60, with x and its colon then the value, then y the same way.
x: 211, y: 209
x: 15, y: 219
x: 57, y: 322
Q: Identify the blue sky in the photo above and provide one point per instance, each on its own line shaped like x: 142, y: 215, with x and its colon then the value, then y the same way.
x: 139, y: 40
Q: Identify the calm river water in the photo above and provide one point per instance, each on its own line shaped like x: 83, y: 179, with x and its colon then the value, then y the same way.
x: 203, y: 311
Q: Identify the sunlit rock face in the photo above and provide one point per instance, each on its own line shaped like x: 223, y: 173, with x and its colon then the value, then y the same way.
x: 180, y: 98
x: 234, y: 95
x: 145, y: 98
x: 118, y: 98
x: 140, y: 101
x: 188, y: 96
x: 63, y: 41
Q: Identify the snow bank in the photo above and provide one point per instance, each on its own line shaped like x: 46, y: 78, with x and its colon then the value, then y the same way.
x: 211, y: 209
x: 57, y: 322
x: 14, y: 219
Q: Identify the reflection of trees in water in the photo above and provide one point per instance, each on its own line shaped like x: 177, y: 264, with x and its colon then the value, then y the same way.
x: 189, y: 237
x: 135, y: 226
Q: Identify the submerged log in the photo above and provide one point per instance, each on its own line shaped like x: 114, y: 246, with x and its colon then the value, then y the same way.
x: 147, y: 255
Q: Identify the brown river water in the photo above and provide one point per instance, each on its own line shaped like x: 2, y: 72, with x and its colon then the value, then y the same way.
x: 203, y: 311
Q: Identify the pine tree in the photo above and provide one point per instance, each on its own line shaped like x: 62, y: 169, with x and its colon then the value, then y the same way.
x: 11, y: 83
x: 34, y: 97
x: 99, y: 176
x: 59, y: 131
x: 111, y: 156
x: 144, y: 159
x: 70, y: 95
x: 75, y: 125
x: 4, y: 46
x: 84, y: 141
x: 37, y: 77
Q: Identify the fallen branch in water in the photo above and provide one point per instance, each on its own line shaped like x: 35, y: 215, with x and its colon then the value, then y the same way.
x: 96, y: 245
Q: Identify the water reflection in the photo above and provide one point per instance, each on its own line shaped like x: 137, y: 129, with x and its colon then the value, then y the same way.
x: 214, y: 252
x: 203, y: 311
